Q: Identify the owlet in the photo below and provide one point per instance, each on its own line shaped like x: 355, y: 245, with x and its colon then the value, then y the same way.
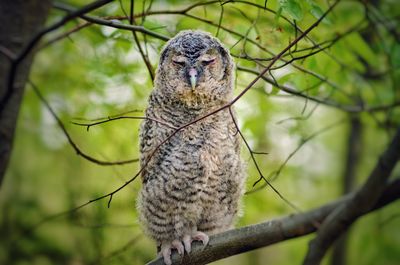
x: 192, y: 182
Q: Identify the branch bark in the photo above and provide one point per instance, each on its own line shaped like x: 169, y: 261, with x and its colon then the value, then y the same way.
x: 248, y: 238
x: 339, y: 254
x: 111, y: 23
x: 361, y: 202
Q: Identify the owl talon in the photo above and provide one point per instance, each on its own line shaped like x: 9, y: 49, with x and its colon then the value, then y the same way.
x: 200, y: 236
x: 196, y: 236
x: 165, y: 252
x: 178, y: 246
x: 187, y: 241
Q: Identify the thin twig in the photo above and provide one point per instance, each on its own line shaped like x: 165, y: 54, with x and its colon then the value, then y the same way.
x: 275, y: 174
x: 109, y: 116
x: 145, y: 58
x: 69, y: 138
x: 36, y: 38
x: 347, y: 108
x: 88, y: 125
x: 63, y: 35
x: 113, y: 23
x: 267, y: 182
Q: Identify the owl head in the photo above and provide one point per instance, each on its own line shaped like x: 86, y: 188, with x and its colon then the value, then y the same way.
x: 195, y: 69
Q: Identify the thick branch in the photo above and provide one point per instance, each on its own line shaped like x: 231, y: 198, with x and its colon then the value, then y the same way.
x: 362, y: 201
x: 247, y: 238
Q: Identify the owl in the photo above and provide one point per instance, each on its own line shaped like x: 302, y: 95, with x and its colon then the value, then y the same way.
x: 192, y: 183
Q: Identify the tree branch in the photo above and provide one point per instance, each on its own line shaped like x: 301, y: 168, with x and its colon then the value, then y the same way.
x: 71, y: 142
x: 324, y: 101
x: 248, y: 238
x: 361, y: 202
x: 36, y: 38
x: 144, y: 55
x: 112, y: 23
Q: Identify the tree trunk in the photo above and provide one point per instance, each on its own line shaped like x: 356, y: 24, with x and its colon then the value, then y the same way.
x: 19, y: 21
x: 339, y: 254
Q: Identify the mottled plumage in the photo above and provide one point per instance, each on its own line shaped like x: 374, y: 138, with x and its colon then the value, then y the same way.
x: 193, y: 182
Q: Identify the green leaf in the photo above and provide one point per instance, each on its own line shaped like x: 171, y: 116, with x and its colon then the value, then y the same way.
x: 278, y: 14
x: 293, y: 8
x: 317, y: 12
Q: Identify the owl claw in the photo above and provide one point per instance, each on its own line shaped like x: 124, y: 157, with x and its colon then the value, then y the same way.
x: 196, y: 236
x: 166, y: 248
x: 165, y: 252
x: 178, y: 246
x: 187, y: 241
x: 200, y: 236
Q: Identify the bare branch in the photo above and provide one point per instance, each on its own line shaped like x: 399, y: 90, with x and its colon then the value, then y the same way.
x: 31, y: 44
x: 279, y: 55
x: 135, y: 37
x: 268, y: 183
x: 324, y: 101
x: 361, y: 202
x: 113, y: 23
x: 62, y: 36
x: 71, y: 142
x: 109, y: 116
x: 88, y: 125
x: 275, y: 174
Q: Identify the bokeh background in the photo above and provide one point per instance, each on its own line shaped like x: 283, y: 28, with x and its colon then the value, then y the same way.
x: 347, y: 67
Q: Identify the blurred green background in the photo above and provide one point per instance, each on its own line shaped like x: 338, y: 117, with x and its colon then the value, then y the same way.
x: 98, y: 72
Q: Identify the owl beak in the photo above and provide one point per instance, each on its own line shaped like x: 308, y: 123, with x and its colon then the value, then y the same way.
x: 193, y: 77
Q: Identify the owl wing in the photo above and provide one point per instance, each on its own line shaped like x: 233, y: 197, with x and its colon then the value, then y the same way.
x: 152, y: 134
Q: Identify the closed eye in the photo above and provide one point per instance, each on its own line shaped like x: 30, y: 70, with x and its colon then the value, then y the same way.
x: 181, y: 63
x: 208, y: 61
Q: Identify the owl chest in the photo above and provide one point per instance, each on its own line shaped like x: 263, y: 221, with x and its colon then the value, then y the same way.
x: 194, y: 154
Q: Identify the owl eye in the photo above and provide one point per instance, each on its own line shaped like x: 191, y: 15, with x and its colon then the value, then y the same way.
x: 208, y: 61
x: 178, y: 62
